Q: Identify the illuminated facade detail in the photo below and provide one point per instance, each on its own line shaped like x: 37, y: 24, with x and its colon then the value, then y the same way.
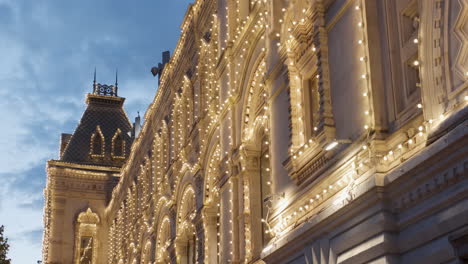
x: 80, y: 182
x: 282, y: 132
x: 118, y: 145
x: 97, y: 143
x: 86, y: 237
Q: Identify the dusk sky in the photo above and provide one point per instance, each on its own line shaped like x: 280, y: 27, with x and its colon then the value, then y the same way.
x: 48, y: 52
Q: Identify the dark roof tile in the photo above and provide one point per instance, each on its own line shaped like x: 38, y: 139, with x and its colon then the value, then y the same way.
x: 106, y: 112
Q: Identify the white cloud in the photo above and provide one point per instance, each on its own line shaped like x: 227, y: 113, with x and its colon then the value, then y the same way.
x: 18, y: 222
x: 48, y: 50
x: 139, y: 91
x: 12, y: 54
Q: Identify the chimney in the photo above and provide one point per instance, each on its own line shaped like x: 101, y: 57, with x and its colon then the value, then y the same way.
x: 136, y: 126
x: 166, y: 56
x: 64, y: 140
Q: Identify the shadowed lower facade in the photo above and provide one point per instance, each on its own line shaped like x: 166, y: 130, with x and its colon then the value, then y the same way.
x: 281, y: 132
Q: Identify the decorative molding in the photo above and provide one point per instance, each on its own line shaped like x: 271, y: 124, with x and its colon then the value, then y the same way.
x: 87, y: 231
x: 460, y: 63
x: 97, y: 133
x: 304, y: 48
x: 431, y: 186
x: 117, y: 135
x: 88, y: 217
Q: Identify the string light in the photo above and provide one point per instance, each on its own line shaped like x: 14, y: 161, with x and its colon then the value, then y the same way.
x: 215, y: 111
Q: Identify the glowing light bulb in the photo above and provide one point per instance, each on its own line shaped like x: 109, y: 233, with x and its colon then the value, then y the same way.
x: 331, y: 146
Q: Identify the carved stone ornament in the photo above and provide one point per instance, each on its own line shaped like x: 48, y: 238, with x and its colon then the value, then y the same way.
x: 88, y: 217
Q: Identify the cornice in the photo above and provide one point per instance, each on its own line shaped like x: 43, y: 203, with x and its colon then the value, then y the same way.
x: 76, y: 166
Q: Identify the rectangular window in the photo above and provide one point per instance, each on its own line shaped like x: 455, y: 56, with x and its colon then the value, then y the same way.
x: 310, y: 105
x: 402, y: 20
x: 86, y: 250
x: 409, y: 27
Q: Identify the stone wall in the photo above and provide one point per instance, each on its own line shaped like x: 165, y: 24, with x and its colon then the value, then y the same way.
x: 302, y: 132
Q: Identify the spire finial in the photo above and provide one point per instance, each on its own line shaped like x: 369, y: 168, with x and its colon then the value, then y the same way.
x: 116, y: 80
x: 94, y: 82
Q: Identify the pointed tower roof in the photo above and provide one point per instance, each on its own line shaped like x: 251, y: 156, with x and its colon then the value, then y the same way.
x: 104, y: 118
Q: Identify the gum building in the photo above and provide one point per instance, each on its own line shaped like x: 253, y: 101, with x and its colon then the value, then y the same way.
x: 282, y: 131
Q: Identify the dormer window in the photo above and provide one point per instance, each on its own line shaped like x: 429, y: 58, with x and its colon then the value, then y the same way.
x: 97, y: 143
x: 118, y: 145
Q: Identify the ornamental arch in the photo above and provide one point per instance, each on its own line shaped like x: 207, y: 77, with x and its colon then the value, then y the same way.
x: 211, y: 212
x: 255, y: 163
x: 186, y: 239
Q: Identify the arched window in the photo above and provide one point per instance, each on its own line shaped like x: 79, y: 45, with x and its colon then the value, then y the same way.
x: 257, y: 194
x: 211, y: 210
x: 186, y: 246
x: 118, y: 144
x: 147, y: 254
x: 163, y: 241
x: 265, y: 185
x: 86, y: 233
x: 97, y: 142
x: 190, y: 254
x: 97, y: 145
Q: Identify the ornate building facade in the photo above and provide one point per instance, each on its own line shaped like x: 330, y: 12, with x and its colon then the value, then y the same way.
x: 283, y: 131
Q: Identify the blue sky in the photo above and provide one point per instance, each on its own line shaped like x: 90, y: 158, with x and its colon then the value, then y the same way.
x: 48, y: 51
